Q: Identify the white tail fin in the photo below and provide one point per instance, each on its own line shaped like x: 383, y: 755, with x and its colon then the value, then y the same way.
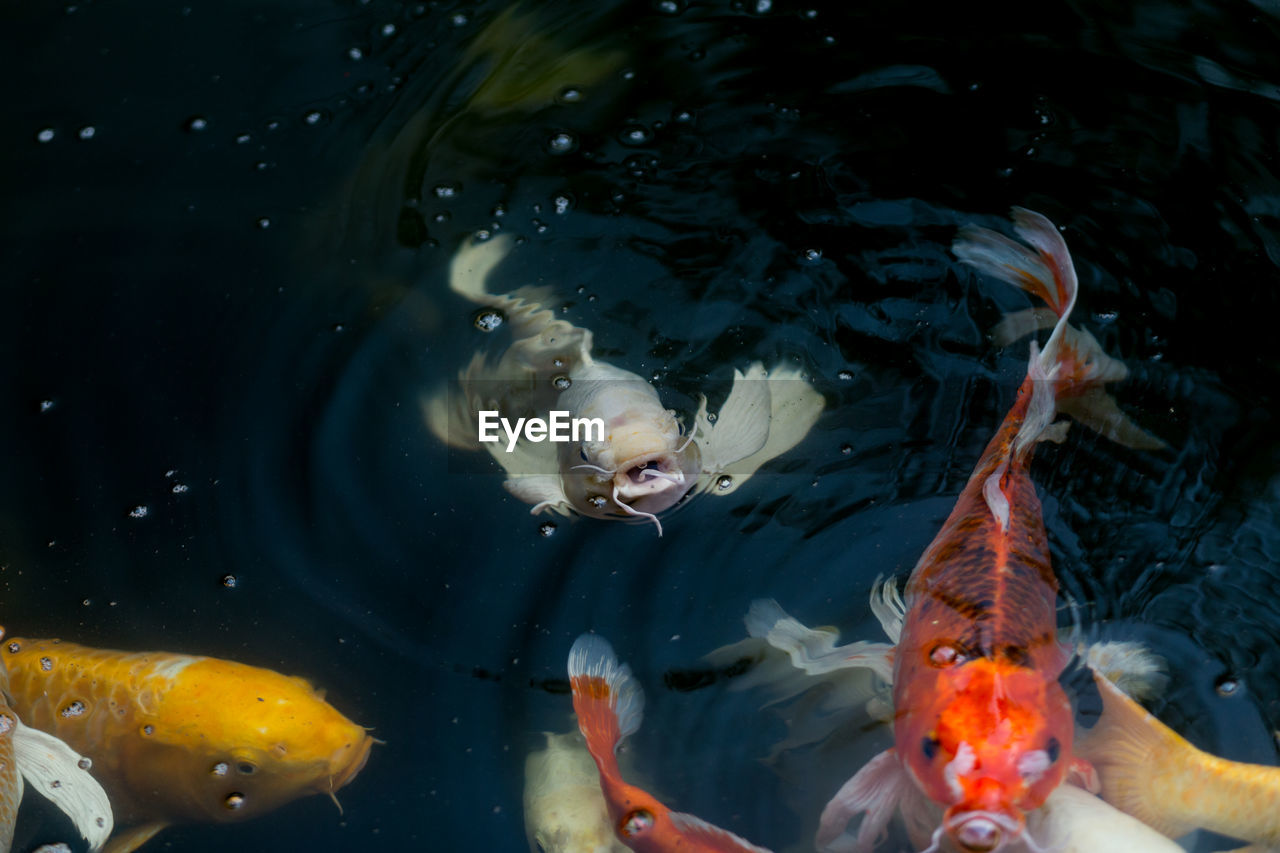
x: 606, y: 697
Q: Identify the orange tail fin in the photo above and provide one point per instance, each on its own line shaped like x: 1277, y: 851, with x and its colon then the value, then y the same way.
x: 1072, y: 366
x: 608, y: 700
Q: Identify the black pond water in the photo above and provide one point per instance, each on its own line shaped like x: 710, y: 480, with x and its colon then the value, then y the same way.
x: 226, y: 230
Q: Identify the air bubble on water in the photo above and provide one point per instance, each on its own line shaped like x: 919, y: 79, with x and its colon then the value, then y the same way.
x: 635, y: 134
x: 488, y: 320
x: 499, y: 210
x: 44, y: 135
x: 562, y: 143
x: 598, y: 501
x: 724, y: 482
x: 388, y: 30
x: 562, y: 382
x: 243, y: 138
x: 84, y: 763
x: 811, y: 256
x: 180, y: 488
x: 138, y: 511
x: 562, y: 203
x: 569, y: 95
x: 763, y: 6
x: 445, y: 190
x: 87, y: 132
x: 74, y: 709
x: 314, y: 117
x: 219, y: 769
x: 669, y: 7
x: 45, y: 405
x: 442, y: 216
x: 264, y: 222
x: 845, y: 376
x: 356, y: 53
x: 846, y: 449
x: 196, y: 124
x: 459, y: 20
x: 482, y: 235
x: 230, y: 581
x: 547, y: 528
x: 811, y: 13
x: 683, y: 116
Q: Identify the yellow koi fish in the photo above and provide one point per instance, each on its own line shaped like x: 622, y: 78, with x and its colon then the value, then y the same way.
x: 644, y: 461
x: 1151, y: 772
x: 184, y: 739
x: 564, y: 810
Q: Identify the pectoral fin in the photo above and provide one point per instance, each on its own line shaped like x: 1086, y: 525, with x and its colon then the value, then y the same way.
x: 780, y: 405
x: 544, y: 491
x: 128, y: 840
x: 53, y: 769
x: 874, y: 792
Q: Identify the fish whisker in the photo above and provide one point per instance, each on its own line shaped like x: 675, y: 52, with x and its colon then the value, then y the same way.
x: 594, y: 468
x: 633, y: 511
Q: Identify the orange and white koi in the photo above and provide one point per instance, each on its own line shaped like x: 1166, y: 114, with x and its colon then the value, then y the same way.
x: 1151, y: 772
x: 646, y: 461
x: 981, y: 725
x: 183, y: 739
x: 610, y: 704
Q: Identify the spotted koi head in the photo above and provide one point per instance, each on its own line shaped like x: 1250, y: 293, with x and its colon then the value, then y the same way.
x: 991, y: 740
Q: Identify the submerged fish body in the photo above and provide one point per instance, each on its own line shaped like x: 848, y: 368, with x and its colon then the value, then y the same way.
x: 646, y: 461
x: 184, y: 739
x: 564, y: 809
x: 1151, y: 772
x: 610, y: 704
x: 982, y: 726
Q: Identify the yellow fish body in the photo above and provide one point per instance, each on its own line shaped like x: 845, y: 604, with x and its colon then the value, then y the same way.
x: 184, y: 739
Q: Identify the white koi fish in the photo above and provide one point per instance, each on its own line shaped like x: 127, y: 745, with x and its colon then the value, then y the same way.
x: 645, y: 462
x: 564, y: 809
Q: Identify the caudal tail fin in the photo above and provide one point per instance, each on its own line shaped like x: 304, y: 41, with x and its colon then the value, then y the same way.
x: 1072, y: 364
x: 608, y: 701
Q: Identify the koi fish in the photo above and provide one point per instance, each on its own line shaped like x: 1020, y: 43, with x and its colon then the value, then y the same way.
x: 184, y: 739
x: 1074, y: 821
x: 564, y: 810
x: 981, y: 725
x: 610, y: 704
x: 645, y: 462
x: 1151, y: 772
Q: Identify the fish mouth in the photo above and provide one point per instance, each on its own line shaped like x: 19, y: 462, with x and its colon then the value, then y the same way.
x: 350, y: 764
x: 981, y: 831
x: 649, y: 474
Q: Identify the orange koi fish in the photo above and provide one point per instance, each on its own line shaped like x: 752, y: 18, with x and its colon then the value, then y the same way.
x: 610, y: 704
x: 184, y: 739
x: 1151, y: 772
x: 981, y: 724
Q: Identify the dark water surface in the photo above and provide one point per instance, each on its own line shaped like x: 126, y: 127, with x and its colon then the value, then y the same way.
x: 225, y: 299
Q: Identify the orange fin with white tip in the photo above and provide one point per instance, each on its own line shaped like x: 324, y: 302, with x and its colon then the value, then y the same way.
x: 608, y: 701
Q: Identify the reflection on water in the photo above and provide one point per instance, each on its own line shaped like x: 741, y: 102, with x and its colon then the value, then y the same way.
x: 236, y: 284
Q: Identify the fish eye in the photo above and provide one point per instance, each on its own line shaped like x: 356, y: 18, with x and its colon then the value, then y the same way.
x: 636, y: 823
x: 1053, y: 749
x: 246, y: 768
x: 944, y: 654
x: 929, y: 746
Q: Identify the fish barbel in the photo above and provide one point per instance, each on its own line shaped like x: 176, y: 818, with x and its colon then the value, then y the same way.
x: 183, y: 739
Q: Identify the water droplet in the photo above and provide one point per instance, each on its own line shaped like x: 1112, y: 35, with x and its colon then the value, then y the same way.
x: 562, y: 203
x: 598, y: 501
x: 845, y: 376
x: 230, y: 581
x: 243, y: 138
x: 723, y: 482
x: 561, y: 382
x: 562, y: 143
x: 846, y: 449
x: 138, y: 511
x: 73, y: 709
x: 46, y: 664
x: 84, y: 763
x: 445, y: 190
x: 44, y: 135
x: 45, y: 405
x: 683, y: 116
x: 488, y: 320
x: 148, y: 730
x: 14, y: 648
x: 356, y: 53
x: 763, y: 6
x: 87, y: 132
x: 459, y: 20
x: 547, y: 528
x: 234, y: 801
x: 264, y: 222
x: 811, y: 256
x: 195, y: 124
x: 180, y: 488
x: 569, y: 96
x: 314, y: 117
x: 669, y: 7
x: 220, y: 769
x: 499, y: 210
x: 388, y: 30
